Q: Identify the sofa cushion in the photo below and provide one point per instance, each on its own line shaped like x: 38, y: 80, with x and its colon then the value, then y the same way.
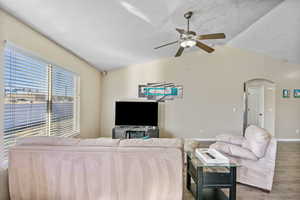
x: 49, y: 141
x: 94, y: 173
x: 104, y: 142
x: 257, y: 140
x: 237, y: 140
x: 152, y: 142
x: 234, y: 150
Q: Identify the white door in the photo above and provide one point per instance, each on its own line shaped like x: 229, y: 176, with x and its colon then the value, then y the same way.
x: 256, y: 106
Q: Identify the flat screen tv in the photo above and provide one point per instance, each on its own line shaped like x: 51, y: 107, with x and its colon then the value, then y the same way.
x: 136, y: 113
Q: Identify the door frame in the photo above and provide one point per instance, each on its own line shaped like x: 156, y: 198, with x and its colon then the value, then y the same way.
x: 245, y: 100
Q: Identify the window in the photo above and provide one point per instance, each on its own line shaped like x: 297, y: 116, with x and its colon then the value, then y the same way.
x: 64, y: 103
x: 40, y: 99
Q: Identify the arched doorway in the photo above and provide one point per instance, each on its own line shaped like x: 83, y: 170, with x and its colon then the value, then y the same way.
x: 259, y: 101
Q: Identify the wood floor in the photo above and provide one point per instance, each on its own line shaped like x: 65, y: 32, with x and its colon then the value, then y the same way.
x: 286, y: 181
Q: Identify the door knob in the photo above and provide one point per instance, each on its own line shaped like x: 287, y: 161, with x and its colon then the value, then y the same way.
x: 260, y: 114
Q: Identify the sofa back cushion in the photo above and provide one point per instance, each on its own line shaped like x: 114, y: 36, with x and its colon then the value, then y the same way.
x: 101, y: 142
x: 93, y: 172
x: 104, y: 142
x: 153, y: 142
x: 48, y: 141
x: 62, y: 141
x: 257, y: 140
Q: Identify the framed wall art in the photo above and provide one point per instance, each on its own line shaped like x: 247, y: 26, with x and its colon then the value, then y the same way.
x: 286, y: 93
x: 297, y: 93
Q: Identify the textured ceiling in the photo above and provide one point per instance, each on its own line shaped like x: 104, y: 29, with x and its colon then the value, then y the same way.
x: 116, y: 33
x: 281, y: 39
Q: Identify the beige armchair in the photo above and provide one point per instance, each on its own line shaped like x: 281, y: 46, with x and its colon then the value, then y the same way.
x: 256, y: 153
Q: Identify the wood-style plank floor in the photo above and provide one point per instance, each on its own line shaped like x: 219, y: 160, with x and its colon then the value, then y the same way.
x: 286, y: 181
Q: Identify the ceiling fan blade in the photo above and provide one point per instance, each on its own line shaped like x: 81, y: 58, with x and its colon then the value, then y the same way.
x: 181, y: 31
x: 170, y: 43
x: 204, y: 47
x: 179, y: 52
x: 211, y: 36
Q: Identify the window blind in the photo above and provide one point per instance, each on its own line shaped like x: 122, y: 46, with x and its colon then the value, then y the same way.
x: 39, y: 99
x: 25, y: 97
x: 64, y: 111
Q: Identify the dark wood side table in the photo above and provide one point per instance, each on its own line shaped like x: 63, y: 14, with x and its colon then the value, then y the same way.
x: 209, y: 179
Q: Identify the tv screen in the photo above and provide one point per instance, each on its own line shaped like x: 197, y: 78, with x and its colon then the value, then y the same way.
x: 136, y: 113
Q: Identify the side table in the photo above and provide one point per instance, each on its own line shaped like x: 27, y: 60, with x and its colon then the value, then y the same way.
x: 209, y: 179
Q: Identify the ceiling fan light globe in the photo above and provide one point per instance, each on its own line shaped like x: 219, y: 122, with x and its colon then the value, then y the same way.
x: 188, y: 43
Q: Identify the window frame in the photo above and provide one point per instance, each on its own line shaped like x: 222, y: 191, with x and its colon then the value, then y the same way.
x: 76, y: 97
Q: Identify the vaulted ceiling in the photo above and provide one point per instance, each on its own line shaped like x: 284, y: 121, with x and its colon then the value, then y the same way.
x: 277, y: 34
x: 116, y: 33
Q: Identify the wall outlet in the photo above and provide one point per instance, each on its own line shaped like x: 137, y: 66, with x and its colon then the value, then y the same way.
x: 201, y: 131
x: 297, y: 131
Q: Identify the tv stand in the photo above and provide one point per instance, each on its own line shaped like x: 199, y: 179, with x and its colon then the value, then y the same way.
x: 130, y: 132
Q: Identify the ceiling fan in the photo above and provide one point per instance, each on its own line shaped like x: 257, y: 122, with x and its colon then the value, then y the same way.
x: 189, y: 38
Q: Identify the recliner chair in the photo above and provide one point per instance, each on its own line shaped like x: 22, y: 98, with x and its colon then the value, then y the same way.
x: 256, y: 154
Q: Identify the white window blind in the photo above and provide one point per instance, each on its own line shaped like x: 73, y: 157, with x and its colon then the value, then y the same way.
x: 25, y: 97
x: 39, y: 99
x: 64, y: 117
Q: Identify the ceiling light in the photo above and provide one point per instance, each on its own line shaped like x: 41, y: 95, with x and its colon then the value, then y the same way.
x: 188, y: 43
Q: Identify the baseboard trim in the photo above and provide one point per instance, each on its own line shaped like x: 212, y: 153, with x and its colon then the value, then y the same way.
x: 288, y: 140
x: 203, y: 139
x: 213, y: 140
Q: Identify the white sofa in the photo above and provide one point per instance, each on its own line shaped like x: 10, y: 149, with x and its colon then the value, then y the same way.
x: 256, y: 154
x: 50, y: 168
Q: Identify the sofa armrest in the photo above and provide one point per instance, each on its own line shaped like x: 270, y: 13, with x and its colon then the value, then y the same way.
x: 234, y: 150
x: 4, y: 192
x: 230, y: 139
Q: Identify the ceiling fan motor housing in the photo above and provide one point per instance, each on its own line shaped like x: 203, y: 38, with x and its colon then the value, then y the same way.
x: 188, y: 15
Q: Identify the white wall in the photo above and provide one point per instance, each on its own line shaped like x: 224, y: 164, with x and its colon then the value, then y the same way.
x: 270, y: 107
x: 24, y: 37
x: 213, y: 87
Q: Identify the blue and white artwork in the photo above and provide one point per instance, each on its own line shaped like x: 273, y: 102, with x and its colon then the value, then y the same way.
x: 160, y: 91
x: 297, y: 93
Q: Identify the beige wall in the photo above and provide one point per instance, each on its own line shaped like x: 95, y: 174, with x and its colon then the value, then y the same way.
x: 90, y: 79
x: 213, y: 88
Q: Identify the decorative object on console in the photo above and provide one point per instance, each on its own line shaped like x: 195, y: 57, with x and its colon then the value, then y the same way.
x: 160, y: 92
x: 297, y: 93
x: 286, y: 93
